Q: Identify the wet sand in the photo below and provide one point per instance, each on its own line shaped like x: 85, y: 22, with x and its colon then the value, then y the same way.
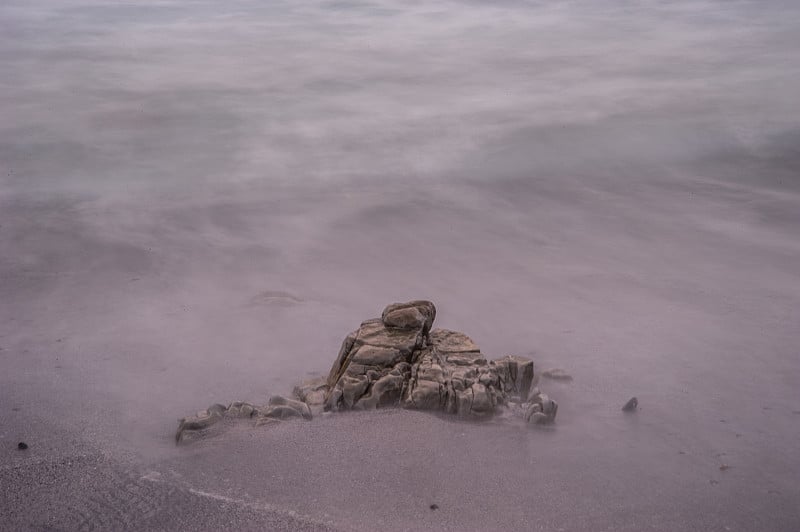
x: 198, y: 202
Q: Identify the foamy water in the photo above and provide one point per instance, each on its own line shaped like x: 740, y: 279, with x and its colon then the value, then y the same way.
x: 199, y: 200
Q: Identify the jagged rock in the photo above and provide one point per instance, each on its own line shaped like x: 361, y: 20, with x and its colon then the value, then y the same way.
x: 280, y: 403
x: 202, y: 420
x: 517, y: 376
x: 422, y: 368
x: 277, y: 408
x: 312, y: 392
x: 534, y: 408
x: 399, y: 360
x: 451, y: 374
x: 374, y: 362
x: 541, y: 409
x: 455, y: 344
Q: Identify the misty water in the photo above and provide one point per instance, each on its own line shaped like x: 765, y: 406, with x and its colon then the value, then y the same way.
x: 200, y: 199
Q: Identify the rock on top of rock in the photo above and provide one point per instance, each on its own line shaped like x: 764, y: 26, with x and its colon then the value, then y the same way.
x: 399, y: 360
x: 414, y: 315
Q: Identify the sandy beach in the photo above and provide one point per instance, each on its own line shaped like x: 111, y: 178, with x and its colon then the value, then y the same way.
x: 199, y: 200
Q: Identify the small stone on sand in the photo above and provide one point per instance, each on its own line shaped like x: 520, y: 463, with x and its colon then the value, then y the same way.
x: 631, y: 405
x: 22, y: 446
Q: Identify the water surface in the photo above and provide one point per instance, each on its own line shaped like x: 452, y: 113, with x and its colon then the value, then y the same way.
x: 198, y: 200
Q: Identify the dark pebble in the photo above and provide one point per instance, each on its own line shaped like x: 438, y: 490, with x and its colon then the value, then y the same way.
x: 22, y: 446
x: 631, y: 405
x: 434, y: 506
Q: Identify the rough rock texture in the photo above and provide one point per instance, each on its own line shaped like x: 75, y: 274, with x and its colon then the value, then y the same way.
x: 278, y: 408
x: 312, y: 392
x: 399, y: 360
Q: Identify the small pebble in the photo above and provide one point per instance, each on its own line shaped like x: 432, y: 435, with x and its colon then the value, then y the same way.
x: 631, y: 405
x: 434, y: 506
x: 724, y: 467
x: 22, y: 446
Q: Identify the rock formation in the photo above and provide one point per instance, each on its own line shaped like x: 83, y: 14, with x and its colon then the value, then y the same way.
x: 399, y: 360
